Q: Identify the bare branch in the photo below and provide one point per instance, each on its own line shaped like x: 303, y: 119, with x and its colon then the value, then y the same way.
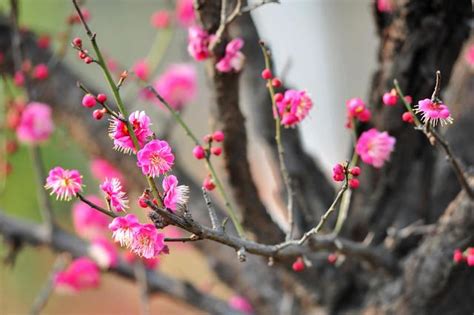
x: 46, y: 291
x: 61, y: 241
x: 212, y: 212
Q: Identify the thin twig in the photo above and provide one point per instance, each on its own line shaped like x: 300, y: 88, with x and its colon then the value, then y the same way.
x: 224, y: 21
x: 212, y: 212
x: 118, y: 99
x: 43, y: 198
x: 93, y: 205
x: 325, y: 216
x: 229, y: 208
x: 107, y: 108
x: 433, y: 134
x: 45, y: 293
x: 192, y: 238
x: 281, y: 151
x: 437, y: 89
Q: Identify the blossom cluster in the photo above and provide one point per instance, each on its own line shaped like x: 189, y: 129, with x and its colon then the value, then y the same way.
x: 142, y: 239
x: 374, y: 147
x: 466, y: 256
x: 341, y: 172
x: 292, y: 106
x: 200, y: 41
x: 200, y: 153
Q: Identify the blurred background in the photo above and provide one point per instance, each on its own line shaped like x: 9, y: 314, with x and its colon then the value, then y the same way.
x: 328, y: 61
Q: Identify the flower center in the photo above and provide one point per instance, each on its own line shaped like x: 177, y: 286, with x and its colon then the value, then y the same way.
x: 66, y: 182
x: 157, y: 160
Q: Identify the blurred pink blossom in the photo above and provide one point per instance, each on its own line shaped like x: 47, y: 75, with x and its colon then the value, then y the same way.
x: 375, y: 147
x: 233, y: 58
x: 177, y: 85
x: 102, y: 169
x: 81, y: 274
x: 241, y: 304
x: 104, y: 252
x: 185, y: 12
x: 87, y: 221
x: 36, y: 124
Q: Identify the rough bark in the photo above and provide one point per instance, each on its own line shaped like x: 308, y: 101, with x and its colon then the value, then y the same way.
x: 419, y: 38
x: 229, y: 116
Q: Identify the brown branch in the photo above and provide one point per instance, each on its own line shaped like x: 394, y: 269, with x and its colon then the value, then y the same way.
x: 257, y: 5
x: 98, y: 208
x: 224, y: 21
x: 435, y: 138
x: 289, y: 249
x: 62, y: 241
x: 255, y: 217
x: 48, y: 288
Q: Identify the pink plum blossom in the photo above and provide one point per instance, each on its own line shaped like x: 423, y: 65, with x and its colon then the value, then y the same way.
x: 36, y: 124
x: 40, y: 71
x: 375, y: 147
x: 147, y: 242
x: 458, y: 256
x: 102, y: 169
x: 87, y: 221
x: 233, y: 58
x: 160, y: 19
x: 390, y: 98
x: 122, y: 228
x: 119, y: 132
x: 185, y: 12
x: 470, y: 55
x: 104, y: 252
x: 175, y: 195
x: 81, y: 274
x: 338, y: 173
x: 356, y: 109
x: 385, y: 6
x: 241, y: 304
x: 293, y: 107
x: 112, y: 189
x: 155, y: 158
x: 177, y: 85
x: 64, y: 183
x: 19, y: 78
x: 198, y: 43
x: 433, y: 112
